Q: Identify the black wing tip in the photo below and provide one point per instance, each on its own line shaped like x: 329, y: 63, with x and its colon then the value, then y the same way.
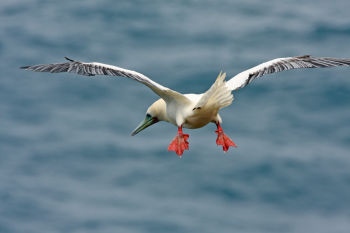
x: 24, y: 67
x: 304, y: 56
x: 67, y: 58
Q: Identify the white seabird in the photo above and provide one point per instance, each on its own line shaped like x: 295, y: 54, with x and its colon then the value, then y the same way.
x: 191, y: 110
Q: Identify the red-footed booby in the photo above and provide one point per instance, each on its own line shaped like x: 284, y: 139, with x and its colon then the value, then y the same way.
x: 191, y: 111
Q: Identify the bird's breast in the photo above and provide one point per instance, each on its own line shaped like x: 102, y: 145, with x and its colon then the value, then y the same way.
x: 199, y: 118
x: 186, y: 116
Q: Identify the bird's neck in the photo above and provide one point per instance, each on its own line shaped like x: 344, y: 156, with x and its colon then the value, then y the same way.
x: 159, y: 108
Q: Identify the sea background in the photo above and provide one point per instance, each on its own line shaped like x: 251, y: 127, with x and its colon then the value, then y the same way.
x: 69, y: 164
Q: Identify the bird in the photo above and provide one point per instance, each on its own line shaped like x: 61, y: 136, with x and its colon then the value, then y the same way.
x: 191, y: 111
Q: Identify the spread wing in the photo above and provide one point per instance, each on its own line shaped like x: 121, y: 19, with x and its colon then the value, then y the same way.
x: 95, y: 68
x: 280, y: 64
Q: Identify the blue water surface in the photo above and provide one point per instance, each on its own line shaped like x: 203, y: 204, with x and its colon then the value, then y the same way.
x: 68, y: 163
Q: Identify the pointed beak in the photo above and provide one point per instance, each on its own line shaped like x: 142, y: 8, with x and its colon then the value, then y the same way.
x: 144, y: 124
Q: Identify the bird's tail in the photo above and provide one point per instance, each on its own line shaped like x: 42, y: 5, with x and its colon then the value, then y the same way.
x: 218, y: 96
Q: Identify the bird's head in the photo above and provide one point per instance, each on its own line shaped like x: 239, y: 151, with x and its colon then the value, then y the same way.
x: 155, y: 113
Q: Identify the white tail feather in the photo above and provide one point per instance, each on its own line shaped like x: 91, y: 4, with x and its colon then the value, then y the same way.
x: 218, y: 96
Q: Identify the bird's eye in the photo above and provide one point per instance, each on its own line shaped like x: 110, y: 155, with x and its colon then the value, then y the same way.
x: 148, y: 115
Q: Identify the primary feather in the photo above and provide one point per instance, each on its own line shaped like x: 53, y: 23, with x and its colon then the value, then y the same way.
x: 280, y: 64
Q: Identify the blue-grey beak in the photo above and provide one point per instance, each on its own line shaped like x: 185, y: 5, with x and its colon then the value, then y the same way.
x: 144, y: 124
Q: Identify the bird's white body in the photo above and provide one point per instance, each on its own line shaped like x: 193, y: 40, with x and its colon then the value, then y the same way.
x: 198, y: 118
x: 195, y: 110
x: 184, y: 114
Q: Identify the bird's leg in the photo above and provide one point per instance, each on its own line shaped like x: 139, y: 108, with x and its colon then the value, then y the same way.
x: 222, y: 139
x: 180, y: 143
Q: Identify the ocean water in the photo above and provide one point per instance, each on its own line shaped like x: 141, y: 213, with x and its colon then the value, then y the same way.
x: 69, y: 164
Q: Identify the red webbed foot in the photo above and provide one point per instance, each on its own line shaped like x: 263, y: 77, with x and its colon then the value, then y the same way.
x: 180, y: 143
x: 223, y: 140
